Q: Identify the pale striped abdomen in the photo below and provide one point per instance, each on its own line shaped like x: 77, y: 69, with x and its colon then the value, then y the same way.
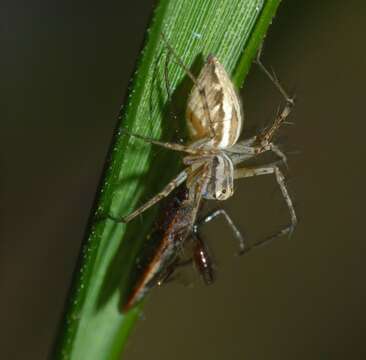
x: 213, y: 100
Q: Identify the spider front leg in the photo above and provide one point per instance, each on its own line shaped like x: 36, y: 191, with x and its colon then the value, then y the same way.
x: 166, y: 145
x: 182, y: 176
x: 272, y: 169
x: 265, y: 139
x: 272, y: 76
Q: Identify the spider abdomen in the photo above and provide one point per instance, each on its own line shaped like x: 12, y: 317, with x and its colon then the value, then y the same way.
x: 213, y: 108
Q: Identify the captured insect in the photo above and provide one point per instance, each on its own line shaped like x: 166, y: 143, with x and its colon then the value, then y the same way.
x: 214, y: 120
x: 170, y: 232
x: 177, y: 227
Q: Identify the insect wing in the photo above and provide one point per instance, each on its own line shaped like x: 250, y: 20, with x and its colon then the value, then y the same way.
x: 171, y: 230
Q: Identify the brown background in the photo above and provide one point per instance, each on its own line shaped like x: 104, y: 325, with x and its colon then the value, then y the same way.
x: 65, y: 68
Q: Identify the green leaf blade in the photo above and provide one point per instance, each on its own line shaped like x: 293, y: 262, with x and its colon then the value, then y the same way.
x: 94, y: 327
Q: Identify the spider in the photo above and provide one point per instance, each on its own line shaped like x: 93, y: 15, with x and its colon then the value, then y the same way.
x: 214, y: 120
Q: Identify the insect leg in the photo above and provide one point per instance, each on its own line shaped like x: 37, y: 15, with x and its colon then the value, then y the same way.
x: 170, y: 275
x: 272, y: 169
x: 214, y: 214
x: 182, y: 176
x: 202, y: 259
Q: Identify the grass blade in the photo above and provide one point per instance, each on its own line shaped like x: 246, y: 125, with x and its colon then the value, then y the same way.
x: 93, y: 327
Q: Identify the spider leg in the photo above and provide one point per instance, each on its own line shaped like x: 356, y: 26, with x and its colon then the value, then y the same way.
x: 171, y: 146
x: 272, y: 169
x: 266, y: 138
x: 182, y: 176
x: 272, y: 76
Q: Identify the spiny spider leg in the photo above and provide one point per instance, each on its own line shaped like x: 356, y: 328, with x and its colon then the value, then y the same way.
x: 265, y: 241
x: 214, y: 214
x: 273, y: 78
x: 272, y: 169
x: 171, y: 146
x: 264, y: 140
x: 182, y: 176
x: 201, y: 90
x: 266, y: 137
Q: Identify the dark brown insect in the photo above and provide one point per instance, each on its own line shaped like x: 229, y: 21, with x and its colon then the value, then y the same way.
x: 176, y: 226
x: 202, y: 259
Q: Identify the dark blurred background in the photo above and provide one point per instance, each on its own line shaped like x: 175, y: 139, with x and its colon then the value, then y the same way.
x: 65, y: 68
